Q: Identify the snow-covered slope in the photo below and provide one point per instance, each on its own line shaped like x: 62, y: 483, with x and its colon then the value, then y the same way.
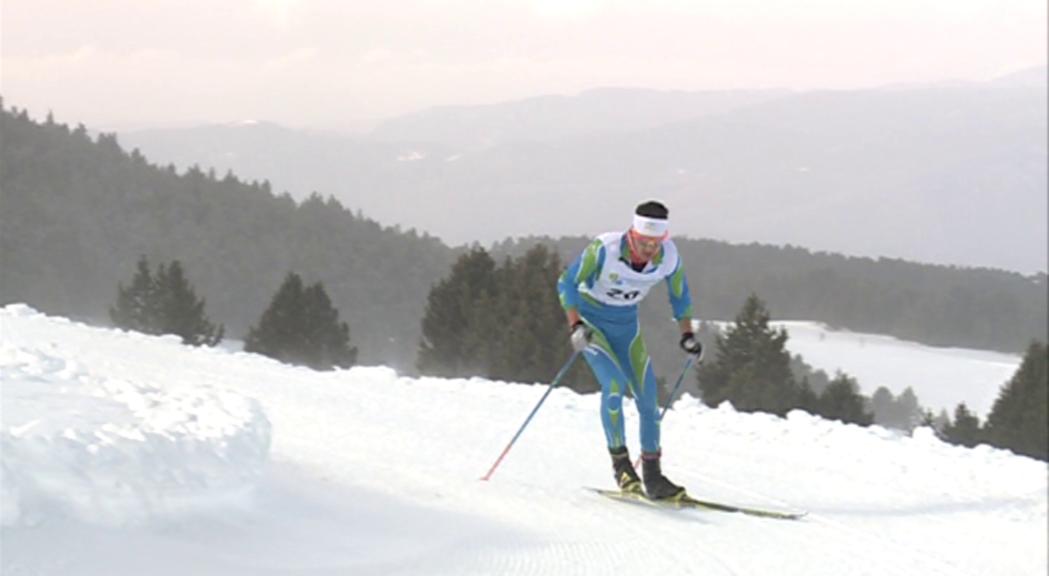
x: 941, y: 377
x: 217, y: 462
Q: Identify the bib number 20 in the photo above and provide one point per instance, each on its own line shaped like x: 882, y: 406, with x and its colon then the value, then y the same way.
x: 624, y: 295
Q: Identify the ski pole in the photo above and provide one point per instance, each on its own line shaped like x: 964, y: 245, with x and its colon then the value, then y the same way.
x: 670, y: 398
x: 557, y: 380
x: 688, y: 364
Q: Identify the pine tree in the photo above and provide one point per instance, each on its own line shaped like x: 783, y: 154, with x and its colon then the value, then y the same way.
x: 330, y: 336
x: 181, y: 312
x: 164, y: 303
x: 278, y: 333
x: 445, y: 348
x: 930, y: 420
x: 902, y: 412
x: 883, y: 405
x: 483, y: 341
x: 751, y: 367
x: 1019, y: 419
x: 530, y: 340
x: 137, y: 306
x: 841, y: 400
x: 493, y: 330
x: 503, y: 323
x: 301, y: 326
x: 808, y: 399
x: 908, y: 410
x: 965, y: 430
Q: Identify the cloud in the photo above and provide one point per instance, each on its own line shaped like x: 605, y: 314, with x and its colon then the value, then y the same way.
x: 317, y: 61
x: 277, y: 12
x: 306, y: 56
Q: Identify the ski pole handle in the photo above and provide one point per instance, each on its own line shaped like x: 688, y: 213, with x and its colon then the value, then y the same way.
x: 557, y: 380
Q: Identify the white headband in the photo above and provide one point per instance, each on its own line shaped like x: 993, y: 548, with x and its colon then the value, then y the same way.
x: 650, y: 226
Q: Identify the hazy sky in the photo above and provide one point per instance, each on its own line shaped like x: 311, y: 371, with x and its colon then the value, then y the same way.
x: 115, y: 64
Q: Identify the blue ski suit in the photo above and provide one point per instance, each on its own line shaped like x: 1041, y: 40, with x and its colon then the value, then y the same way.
x: 605, y: 290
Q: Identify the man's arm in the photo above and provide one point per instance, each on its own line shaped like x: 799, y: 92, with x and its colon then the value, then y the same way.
x: 681, y: 303
x: 583, y: 270
x: 680, y: 299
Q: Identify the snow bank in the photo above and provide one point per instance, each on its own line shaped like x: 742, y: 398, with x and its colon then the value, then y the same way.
x: 115, y: 451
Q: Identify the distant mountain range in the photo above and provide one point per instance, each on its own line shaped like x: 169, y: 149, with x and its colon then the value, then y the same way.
x: 550, y: 118
x: 952, y: 174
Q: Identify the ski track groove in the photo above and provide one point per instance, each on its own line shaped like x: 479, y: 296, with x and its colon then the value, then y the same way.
x: 917, y: 557
x: 671, y: 551
x: 657, y: 543
x: 547, y: 557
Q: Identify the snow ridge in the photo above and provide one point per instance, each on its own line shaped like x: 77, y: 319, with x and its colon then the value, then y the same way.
x: 113, y: 451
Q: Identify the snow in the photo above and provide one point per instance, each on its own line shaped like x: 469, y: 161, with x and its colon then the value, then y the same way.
x: 213, y: 461
x: 114, y: 450
x: 941, y: 377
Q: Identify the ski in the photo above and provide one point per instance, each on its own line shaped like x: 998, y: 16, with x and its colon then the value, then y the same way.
x: 686, y: 502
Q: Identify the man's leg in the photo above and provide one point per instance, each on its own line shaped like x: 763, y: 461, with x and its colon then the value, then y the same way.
x: 613, y: 383
x: 646, y: 396
x: 647, y: 400
x: 645, y: 389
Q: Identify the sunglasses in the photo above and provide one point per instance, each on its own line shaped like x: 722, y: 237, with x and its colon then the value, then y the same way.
x: 646, y: 242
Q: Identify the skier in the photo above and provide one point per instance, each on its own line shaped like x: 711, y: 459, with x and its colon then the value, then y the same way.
x: 600, y: 293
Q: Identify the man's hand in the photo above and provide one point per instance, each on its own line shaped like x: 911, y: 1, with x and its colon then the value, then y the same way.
x: 580, y: 336
x: 691, y: 345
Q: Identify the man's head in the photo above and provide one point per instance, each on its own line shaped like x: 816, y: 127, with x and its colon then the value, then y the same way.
x: 649, y: 230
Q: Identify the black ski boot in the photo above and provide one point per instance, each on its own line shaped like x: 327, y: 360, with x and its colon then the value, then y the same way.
x: 657, y: 487
x: 626, y: 477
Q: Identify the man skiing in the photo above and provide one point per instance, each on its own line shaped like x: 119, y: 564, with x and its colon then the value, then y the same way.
x: 600, y: 293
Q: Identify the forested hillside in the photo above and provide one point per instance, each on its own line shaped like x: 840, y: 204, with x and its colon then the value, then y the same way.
x: 78, y: 212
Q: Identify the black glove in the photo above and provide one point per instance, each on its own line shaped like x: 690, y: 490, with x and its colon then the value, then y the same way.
x: 580, y: 336
x: 691, y: 345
